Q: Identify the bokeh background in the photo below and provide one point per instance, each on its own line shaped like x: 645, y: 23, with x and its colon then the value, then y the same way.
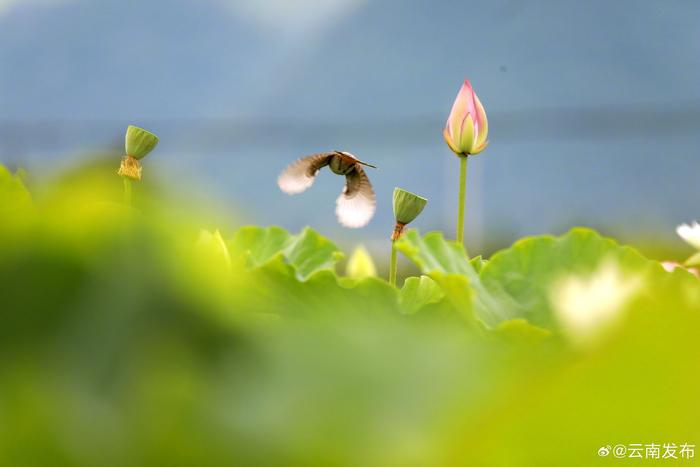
x: 594, y: 106
x: 140, y: 336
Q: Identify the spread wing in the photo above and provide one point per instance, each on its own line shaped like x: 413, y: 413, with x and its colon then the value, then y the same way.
x: 299, y: 175
x: 356, y: 204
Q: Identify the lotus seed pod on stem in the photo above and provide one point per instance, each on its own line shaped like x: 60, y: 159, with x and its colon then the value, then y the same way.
x: 407, y: 206
x: 138, y: 144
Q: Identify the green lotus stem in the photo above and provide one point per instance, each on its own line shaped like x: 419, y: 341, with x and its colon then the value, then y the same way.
x: 127, y: 191
x: 462, y: 197
x: 393, y: 264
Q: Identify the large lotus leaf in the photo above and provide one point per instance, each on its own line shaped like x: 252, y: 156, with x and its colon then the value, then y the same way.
x: 295, y: 275
x: 517, y: 282
x: 259, y: 244
x: 524, y: 274
x: 447, y: 264
x: 306, y: 253
x: 310, y: 252
x: 432, y: 253
x: 275, y: 288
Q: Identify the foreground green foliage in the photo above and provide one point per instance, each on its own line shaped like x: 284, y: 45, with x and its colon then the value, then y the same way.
x: 132, y: 336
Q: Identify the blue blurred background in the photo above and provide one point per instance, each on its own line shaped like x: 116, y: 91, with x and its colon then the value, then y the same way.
x: 594, y: 106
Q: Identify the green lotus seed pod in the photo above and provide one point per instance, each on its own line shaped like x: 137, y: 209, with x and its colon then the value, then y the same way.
x: 407, y: 206
x: 139, y: 142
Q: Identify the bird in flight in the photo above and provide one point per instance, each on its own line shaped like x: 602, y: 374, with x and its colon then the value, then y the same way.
x: 356, y: 204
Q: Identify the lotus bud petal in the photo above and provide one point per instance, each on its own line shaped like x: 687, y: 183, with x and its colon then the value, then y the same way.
x: 407, y: 206
x: 139, y: 142
x: 467, y: 127
x: 360, y: 264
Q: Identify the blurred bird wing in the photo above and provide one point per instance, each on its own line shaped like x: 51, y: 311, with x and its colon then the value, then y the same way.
x: 356, y: 204
x: 300, y: 174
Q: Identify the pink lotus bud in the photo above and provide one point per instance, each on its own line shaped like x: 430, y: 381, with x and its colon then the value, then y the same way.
x: 467, y: 127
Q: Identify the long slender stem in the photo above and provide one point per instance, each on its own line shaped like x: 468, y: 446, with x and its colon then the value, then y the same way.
x: 127, y: 191
x: 393, y: 264
x: 462, y: 197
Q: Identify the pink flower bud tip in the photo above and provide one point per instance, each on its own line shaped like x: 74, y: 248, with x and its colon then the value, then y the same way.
x: 467, y: 127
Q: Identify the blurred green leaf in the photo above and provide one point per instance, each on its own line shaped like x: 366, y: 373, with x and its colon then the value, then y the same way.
x: 477, y: 263
x: 694, y: 260
x: 418, y: 292
x: 637, y: 387
x: 131, y: 337
x: 520, y: 331
x: 15, y: 201
x: 524, y: 274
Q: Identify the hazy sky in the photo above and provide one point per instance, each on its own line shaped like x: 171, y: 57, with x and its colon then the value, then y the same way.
x: 7, y: 5
x: 577, y: 94
x: 323, y: 59
x: 297, y: 18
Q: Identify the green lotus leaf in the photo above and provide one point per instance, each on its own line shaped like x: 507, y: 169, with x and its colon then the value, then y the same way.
x: 16, y: 202
x: 447, y: 264
x: 524, y: 274
x: 306, y: 253
x: 293, y: 274
x: 418, y: 292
